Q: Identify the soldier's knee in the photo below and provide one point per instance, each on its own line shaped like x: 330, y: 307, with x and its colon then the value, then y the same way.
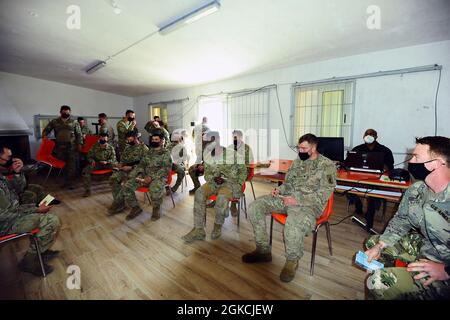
x: 51, y: 220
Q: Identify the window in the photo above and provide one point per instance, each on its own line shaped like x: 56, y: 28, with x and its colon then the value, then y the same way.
x: 324, y: 110
x: 159, y: 110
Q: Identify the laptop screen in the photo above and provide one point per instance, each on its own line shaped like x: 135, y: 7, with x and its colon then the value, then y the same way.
x: 365, y: 161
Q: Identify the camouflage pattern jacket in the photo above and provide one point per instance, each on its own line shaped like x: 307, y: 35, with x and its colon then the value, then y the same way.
x: 85, y: 130
x: 310, y: 182
x: 427, y: 212
x: 97, y: 154
x: 152, y: 129
x: 124, y: 126
x: 68, y: 131
x: 10, y: 209
x: 225, y: 165
x: 156, y: 164
x: 133, y: 154
x: 106, y: 128
x: 244, y: 153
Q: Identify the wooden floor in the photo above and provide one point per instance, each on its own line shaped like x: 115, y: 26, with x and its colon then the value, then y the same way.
x: 143, y: 259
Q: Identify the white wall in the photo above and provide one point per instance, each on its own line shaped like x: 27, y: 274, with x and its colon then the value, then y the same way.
x: 31, y: 96
x: 396, y: 117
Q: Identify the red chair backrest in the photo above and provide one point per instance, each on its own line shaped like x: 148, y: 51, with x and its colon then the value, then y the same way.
x: 250, y: 174
x: 169, y: 178
x: 45, y: 149
x: 89, y: 141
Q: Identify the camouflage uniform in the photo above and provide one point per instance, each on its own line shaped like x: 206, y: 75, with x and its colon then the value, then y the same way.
x: 131, y: 156
x: 151, y: 129
x: 197, y: 133
x: 193, y: 173
x: 311, y: 183
x: 178, y: 164
x: 85, y: 130
x: 156, y: 164
x: 18, y: 218
x: 123, y: 127
x: 27, y: 193
x: 421, y: 210
x: 106, y: 128
x: 234, y: 174
x: 68, y: 138
x: 97, y: 154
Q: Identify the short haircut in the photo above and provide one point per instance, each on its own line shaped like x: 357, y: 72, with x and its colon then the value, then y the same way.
x: 155, y: 117
x: 64, y: 108
x: 438, y: 145
x: 80, y: 119
x: 129, y: 111
x: 102, y: 115
x: 3, y: 147
x: 157, y: 133
x: 132, y: 133
x: 238, y: 133
x: 104, y: 134
x: 310, y: 138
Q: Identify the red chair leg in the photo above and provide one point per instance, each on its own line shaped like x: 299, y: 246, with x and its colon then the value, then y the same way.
x: 271, y: 229
x: 327, y: 227
x: 48, y: 174
x: 253, y: 190
x: 313, y: 251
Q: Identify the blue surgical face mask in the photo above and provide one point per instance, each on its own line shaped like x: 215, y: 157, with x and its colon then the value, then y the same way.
x: 102, y: 141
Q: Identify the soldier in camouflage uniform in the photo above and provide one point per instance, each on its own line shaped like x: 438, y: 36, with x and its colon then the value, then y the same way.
x: 224, y: 178
x: 419, y: 233
x: 303, y: 196
x: 197, y: 135
x: 101, y: 156
x: 152, y: 171
x: 19, y: 218
x: 179, y: 156
x: 84, y: 128
x: 132, y: 154
x: 244, y: 155
x: 153, y: 127
x: 106, y: 128
x: 68, y: 142
x: 127, y: 124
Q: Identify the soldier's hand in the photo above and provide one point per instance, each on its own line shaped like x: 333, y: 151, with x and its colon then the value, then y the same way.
x: 126, y: 168
x: 374, y: 252
x: 147, y: 180
x: 289, y: 201
x: 275, y: 192
x: 17, y: 165
x: 426, y: 268
x: 43, y: 208
x: 219, y: 180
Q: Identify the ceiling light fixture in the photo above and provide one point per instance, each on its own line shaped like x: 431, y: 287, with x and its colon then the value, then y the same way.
x: 193, y: 15
x: 116, y: 8
x: 94, y: 67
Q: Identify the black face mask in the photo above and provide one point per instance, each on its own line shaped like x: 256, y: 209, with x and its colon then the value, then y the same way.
x: 131, y: 143
x: 130, y: 119
x: 154, y: 144
x: 235, y: 142
x: 418, y: 170
x: 303, y: 156
x: 65, y: 115
x: 8, y: 163
x: 102, y: 141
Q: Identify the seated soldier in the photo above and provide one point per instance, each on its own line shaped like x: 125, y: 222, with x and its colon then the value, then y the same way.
x: 153, y: 172
x: 132, y: 154
x: 101, y: 156
x: 19, y: 218
x: 303, y: 196
x: 27, y: 193
x: 178, y: 153
x: 153, y: 127
x: 224, y: 178
x: 425, y: 208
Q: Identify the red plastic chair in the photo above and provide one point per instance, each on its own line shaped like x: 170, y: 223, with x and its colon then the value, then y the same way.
x: 32, y: 234
x: 44, y: 155
x: 89, y: 141
x: 322, y: 220
x: 241, y: 202
x: 145, y: 190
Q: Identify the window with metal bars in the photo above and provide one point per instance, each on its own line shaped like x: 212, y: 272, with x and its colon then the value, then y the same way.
x: 325, y: 110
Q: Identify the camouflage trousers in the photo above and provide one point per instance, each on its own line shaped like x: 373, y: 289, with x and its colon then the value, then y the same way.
x: 116, y: 180
x: 179, y: 170
x: 33, y: 194
x: 396, y: 282
x: 194, y: 176
x: 68, y: 153
x: 86, y: 174
x: 300, y: 222
x: 126, y: 194
x: 223, y: 192
x: 47, y: 223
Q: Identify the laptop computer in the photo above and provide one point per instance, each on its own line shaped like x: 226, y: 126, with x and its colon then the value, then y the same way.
x: 372, y: 162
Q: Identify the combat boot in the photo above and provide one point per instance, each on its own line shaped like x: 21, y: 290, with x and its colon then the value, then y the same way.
x: 134, y: 212
x: 50, y: 254
x: 87, y: 193
x: 115, y: 208
x: 192, y: 191
x: 217, y: 231
x: 289, y: 270
x: 194, y: 234
x: 30, y: 263
x: 233, y: 209
x: 257, y: 256
x: 156, y: 213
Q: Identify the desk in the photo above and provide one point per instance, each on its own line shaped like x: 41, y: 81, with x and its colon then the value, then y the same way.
x: 276, y: 171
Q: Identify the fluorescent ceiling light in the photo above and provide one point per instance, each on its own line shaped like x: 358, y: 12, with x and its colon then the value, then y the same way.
x: 97, y: 65
x: 190, y: 17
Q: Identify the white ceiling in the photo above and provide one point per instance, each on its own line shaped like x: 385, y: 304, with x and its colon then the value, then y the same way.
x: 244, y: 36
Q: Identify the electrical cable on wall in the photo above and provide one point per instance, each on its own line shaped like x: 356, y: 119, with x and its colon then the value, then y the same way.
x: 435, y: 104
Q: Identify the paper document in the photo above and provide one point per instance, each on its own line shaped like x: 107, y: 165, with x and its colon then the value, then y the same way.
x: 47, y: 200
